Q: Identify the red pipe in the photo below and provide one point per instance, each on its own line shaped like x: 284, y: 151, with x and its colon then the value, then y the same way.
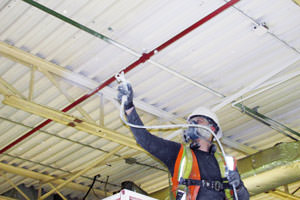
x: 142, y: 59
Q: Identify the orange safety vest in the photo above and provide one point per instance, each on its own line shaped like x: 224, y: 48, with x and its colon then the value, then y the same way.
x: 186, y: 166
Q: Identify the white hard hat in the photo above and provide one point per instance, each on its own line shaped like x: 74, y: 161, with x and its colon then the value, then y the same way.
x: 202, y: 111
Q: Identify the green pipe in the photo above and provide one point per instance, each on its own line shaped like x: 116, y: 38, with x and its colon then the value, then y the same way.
x: 69, y: 21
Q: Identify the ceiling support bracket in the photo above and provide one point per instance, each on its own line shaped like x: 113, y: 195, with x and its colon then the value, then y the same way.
x: 268, y: 121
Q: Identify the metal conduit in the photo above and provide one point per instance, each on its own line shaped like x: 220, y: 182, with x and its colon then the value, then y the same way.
x: 142, y: 59
x: 134, y: 53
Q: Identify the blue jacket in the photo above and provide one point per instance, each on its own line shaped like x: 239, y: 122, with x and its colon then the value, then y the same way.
x: 167, y: 151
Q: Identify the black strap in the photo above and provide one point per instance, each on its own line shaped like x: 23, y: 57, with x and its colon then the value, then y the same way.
x: 179, y: 194
x: 211, y: 185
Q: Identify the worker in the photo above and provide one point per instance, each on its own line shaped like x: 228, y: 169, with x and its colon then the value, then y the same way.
x: 204, y: 177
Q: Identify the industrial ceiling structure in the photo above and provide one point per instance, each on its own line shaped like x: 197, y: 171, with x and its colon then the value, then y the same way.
x: 59, y: 117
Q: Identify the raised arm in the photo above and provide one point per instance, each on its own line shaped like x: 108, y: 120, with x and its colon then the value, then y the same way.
x: 164, y: 150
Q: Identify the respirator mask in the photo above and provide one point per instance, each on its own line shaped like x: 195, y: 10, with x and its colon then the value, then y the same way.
x: 193, y: 133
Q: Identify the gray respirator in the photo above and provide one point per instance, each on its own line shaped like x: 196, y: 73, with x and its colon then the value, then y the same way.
x: 193, y: 133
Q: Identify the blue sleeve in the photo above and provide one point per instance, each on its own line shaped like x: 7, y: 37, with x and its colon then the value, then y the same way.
x: 243, y: 193
x: 165, y: 150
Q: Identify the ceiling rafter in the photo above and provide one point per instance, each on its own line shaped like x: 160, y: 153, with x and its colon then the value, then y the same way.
x: 31, y: 84
x: 119, y: 157
x: 14, y: 185
x: 283, y: 195
x: 70, y: 120
x: 91, y: 165
x: 42, y: 177
x: 28, y: 59
x: 67, y: 96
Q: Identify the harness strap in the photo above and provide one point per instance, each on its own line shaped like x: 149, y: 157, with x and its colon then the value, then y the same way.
x: 211, y: 185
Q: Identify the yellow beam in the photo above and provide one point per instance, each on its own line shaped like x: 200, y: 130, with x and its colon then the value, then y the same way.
x: 15, y: 186
x: 68, y: 97
x: 100, y: 160
x: 31, y: 86
x: 297, y: 2
x: 30, y: 60
x: 70, y: 120
x: 284, y: 195
x: 44, y: 178
x: 8, y: 89
x: 108, y: 161
x: 101, y: 113
x: 39, y: 191
x: 6, y: 198
x: 58, y: 192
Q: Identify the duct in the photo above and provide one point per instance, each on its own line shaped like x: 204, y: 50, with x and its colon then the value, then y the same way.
x: 265, y: 170
x: 271, y: 168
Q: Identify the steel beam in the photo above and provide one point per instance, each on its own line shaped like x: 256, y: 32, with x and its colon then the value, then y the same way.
x: 297, y: 2
x: 30, y: 60
x: 283, y: 195
x: 101, y: 113
x: 6, y: 198
x: 71, y: 121
x: 6, y: 88
x: 44, y: 178
x: 14, y: 185
x: 31, y: 85
x: 93, y: 164
x: 57, y: 191
x: 68, y: 97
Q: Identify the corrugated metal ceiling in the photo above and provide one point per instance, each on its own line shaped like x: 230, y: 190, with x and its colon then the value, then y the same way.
x: 231, y: 54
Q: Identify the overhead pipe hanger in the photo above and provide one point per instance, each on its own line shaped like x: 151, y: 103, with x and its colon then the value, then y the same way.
x: 142, y: 59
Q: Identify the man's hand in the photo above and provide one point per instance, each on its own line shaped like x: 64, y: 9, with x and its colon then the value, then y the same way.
x: 126, y: 90
x: 234, y: 178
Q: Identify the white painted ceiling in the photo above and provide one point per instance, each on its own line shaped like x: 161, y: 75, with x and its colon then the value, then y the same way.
x: 252, y: 46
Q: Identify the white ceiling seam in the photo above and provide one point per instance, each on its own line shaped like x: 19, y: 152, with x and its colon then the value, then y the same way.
x: 271, y: 85
x: 90, y: 146
x: 253, y: 85
x: 292, y: 99
x: 166, y: 68
x: 268, y: 56
x: 88, y: 83
x: 269, y: 30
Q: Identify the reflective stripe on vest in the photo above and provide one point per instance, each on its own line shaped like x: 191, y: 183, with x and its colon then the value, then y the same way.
x: 221, y: 162
x: 186, y: 166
